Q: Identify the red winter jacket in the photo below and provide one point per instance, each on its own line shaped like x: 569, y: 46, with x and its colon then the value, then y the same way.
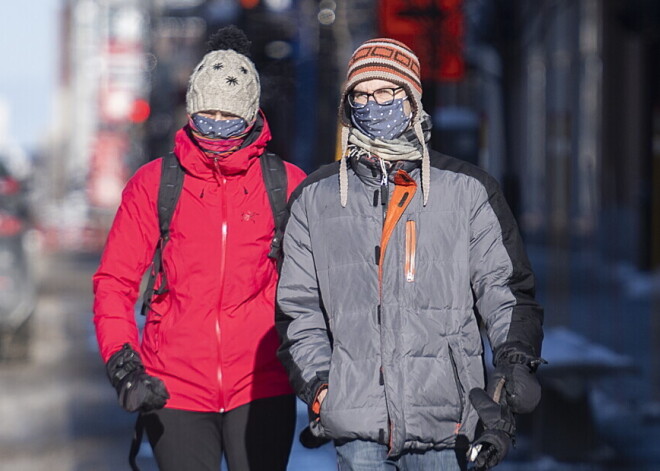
x: 211, y: 337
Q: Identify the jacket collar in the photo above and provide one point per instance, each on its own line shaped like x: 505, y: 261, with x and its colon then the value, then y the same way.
x: 369, y: 171
x: 199, y: 164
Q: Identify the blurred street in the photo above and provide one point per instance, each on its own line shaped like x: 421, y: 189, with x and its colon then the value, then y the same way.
x: 58, y: 410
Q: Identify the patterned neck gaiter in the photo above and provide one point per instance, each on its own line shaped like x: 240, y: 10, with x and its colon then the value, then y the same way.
x: 218, y: 128
x: 219, y: 147
x: 384, y: 122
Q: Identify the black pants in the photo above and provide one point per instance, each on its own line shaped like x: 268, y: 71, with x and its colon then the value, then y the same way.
x: 254, y: 437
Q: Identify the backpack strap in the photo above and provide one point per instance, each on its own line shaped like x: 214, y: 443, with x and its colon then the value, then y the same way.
x: 171, y: 182
x: 136, y: 442
x: 275, y: 179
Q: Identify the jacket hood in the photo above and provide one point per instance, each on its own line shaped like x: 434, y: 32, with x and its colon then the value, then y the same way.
x: 199, y: 164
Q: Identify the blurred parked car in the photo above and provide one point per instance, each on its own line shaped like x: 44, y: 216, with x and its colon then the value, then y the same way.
x: 17, y: 284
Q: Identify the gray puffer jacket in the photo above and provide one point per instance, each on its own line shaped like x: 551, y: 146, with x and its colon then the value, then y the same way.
x: 380, y: 299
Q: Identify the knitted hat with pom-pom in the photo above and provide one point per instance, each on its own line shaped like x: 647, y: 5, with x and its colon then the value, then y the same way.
x: 225, y: 79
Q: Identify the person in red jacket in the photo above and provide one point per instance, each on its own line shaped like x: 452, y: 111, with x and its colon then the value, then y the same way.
x: 205, y: 378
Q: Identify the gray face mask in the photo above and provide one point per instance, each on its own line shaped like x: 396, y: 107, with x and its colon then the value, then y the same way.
x: 222, y: 128
x: 381, y: 121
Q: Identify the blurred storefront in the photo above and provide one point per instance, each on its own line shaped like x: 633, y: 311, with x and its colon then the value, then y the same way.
x: 101, y: 107
x: 559, y: 101
x: 567, y: 95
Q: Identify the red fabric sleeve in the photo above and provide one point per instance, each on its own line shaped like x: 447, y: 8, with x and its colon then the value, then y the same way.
x: 127, y: 254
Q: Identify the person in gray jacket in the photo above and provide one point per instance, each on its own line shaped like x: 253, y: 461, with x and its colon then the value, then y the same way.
x: 393, y: 258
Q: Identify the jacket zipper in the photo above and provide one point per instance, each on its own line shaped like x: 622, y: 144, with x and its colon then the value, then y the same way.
x: 404, y: 190
x: 384, y: 197
x: 223, y: 255
x: 411, y: 246
x: 459, y: 386
x: 384, y: 187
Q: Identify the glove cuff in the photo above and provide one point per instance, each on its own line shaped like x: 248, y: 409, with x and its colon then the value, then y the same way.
x: 121, y: 364
x: 493, y: 415
x: 513, y: 353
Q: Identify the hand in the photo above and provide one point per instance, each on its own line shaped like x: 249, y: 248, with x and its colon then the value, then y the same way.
x: 489, y: 449
x: 315, y: 406
x: 309, y: 440
x: 518, y: 369
x: 321, y: 396
x: 135, y: 388
x: 499, y: 429
x: 140, y: 391
x: 312, y: 435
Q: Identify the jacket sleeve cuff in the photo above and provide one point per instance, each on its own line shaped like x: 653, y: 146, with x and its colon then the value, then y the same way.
x: 503, y: 351
x: 122, y: 363
x: 314, y: 387
x: 517, y: 353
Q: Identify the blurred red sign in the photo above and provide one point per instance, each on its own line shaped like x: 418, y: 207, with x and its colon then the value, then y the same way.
x: 433, y: 29
x: 141, y: 110
x: 108, y: 173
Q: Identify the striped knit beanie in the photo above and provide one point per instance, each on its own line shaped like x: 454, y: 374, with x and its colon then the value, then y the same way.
x: 391, y: 60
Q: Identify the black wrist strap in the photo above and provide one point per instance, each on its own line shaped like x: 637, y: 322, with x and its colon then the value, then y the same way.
x: 122, y: 363
x: 135, y: 443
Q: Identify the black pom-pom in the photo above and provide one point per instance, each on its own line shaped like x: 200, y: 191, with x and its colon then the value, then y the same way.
x: 230, y: 37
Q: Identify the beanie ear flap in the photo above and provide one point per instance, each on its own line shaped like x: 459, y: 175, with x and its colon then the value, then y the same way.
x: 343, y: 169
x: 426, y: 160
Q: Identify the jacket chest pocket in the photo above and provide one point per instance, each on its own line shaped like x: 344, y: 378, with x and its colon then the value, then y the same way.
x: 411, y: 249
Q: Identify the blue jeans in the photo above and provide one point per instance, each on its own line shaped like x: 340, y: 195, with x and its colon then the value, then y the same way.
x: 358, y: 455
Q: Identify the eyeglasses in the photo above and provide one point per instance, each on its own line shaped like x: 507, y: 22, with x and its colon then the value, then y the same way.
x: 382, y: 96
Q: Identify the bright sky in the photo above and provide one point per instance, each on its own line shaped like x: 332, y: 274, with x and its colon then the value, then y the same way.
x: 28, y: 58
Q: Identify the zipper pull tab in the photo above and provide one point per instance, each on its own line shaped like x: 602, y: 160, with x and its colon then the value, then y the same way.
x: 220, y: 178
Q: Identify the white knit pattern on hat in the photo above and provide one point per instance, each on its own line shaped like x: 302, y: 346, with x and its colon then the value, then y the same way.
x: 226, y: 81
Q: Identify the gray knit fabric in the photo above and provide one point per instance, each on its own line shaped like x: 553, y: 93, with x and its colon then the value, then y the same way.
x: 227, y: 81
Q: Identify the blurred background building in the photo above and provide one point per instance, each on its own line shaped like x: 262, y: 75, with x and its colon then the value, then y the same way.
x: 558, y: 99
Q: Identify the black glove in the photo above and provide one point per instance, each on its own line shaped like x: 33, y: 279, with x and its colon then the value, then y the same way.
x: 135, y: 388
x: 499, y: 430
x: 309, y: 440
x: 312, y: 435
x: 493, y: 445
x: 517, y: 366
